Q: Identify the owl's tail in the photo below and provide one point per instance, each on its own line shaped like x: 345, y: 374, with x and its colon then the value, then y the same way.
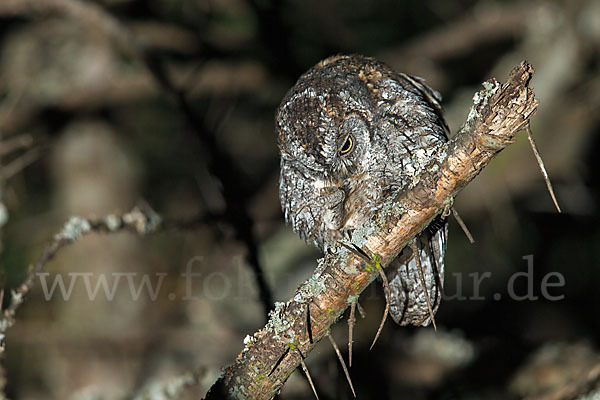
x: 415, y: 295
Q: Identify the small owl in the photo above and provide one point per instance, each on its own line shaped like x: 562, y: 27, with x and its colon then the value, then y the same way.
x: 351, y: 132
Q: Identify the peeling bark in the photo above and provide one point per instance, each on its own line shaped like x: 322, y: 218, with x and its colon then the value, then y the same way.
x: 263, y: 366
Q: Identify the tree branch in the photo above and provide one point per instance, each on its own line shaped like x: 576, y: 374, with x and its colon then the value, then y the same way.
x: 142, y: 221
x: 498, y: 113
x: 94, y: 16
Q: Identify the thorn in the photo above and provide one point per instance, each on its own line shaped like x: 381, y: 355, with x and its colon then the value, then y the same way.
x: 462, y: 225
x: 351, y: 322
x: 285, y: 353
x: 388, y: 294
x: 337, y: 351
x: 361, y: 310
x: 310, y: 381
x: 415, y: 249
x: 357, y: 251
x: 308, y: 324
x: 541, y: 165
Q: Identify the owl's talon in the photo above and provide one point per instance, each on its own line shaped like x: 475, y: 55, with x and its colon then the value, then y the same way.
x: 448, y: 208
x: 347, y: 233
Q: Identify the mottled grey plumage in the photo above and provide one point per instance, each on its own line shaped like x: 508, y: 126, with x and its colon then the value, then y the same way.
x: 393, y: 125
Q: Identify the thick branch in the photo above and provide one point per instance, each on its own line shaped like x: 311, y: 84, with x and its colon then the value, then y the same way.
x: 261, y: 369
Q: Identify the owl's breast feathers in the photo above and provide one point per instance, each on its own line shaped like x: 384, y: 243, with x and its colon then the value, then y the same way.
x: 362, y: 196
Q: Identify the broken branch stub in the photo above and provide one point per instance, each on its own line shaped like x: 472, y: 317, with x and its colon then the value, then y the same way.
x: 261, y: 369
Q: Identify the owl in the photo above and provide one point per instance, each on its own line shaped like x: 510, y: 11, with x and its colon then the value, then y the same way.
x: 352, y: 132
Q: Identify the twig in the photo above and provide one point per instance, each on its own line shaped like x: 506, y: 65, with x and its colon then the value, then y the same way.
x: 541, y: 164
x: 140, y: 221
x: 94, y: 16
x: 463, y: 226
x: 361, y: 310
x: 339, y: 356
x: 388, y: 295
x: 498, y: 113
x: 414, y: 246
x: 464, y: 34
x: 310, y: 381
x: 88, y: 14
x: 20, y: 163
x: 351, y: 322
x: 12, y: 144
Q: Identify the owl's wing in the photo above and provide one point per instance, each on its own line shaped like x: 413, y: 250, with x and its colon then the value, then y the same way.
x: 408, y: 302
x: 433, y: 98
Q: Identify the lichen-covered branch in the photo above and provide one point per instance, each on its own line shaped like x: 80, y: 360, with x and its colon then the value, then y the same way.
x: 142, y: 221
x: 260, y: 370
x: 93, y: 16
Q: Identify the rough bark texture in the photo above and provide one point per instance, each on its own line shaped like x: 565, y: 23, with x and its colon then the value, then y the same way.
x: 274, y: 352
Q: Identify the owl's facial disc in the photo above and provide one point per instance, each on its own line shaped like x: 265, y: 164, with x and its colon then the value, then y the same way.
x: 326, y: 132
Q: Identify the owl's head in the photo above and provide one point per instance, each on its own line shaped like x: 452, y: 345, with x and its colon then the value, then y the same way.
x: 324, y: 123
x: 349, y: 130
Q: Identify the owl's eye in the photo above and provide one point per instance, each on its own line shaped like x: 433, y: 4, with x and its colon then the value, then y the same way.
x: 348, y: 145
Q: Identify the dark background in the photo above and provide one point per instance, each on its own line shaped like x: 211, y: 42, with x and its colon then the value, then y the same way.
x: 171, y: 104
